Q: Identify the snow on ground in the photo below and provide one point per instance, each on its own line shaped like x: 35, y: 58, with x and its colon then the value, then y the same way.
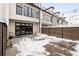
x: 77, y: 52
x: 28, y: 46
x: 35, y: 46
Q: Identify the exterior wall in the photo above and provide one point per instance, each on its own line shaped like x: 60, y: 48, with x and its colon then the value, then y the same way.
x: 15, y: 16
x: 12, y: 27
x: 4, y: 15
x: 35, y: 28
x: 1, y: 12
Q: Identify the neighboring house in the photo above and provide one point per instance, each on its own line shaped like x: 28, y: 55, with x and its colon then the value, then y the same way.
x: 46, y: 19
x: 51, y: 18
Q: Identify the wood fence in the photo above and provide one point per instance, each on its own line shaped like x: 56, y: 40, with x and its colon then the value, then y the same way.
x: 62, y: 32
x: 3, y: 38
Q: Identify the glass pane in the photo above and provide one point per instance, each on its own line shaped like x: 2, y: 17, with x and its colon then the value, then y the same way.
x: 24, y: 28
x: 22, y: 31
x: 18, y: 9
x: 22, y: 24
x: 33, y: 13
x: 17, y: 24
x: 17, y: 28
x: 37, y: 15
x: 30, y: 11
x: 25, y: 11
x: 17, y: 32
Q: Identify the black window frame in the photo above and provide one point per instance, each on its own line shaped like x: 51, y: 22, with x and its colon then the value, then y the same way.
x: 51, y: 18
x: 17, y: 9
x: 22, y: 28
x: 26, y: 11
x: 29, y: 12
x: 38, y: 15
x: 26, y: 28
x: 16, y: 30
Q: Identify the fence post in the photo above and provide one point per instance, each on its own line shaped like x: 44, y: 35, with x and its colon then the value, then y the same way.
x: 62, y: 32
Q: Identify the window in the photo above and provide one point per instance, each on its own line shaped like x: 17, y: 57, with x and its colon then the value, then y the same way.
x: 30, y: 12
x: 50, y: 18
x: 25, y: 11
x: 19, y: 9
x: 58, y: 21
x: 17, y: 29
x: 29, y: 29
x: 37, y: 15
x: 33, y: 13
x: 23, y: 29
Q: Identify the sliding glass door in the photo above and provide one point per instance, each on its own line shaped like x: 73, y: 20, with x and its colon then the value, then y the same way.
x: 17, y: 29
x: 23, y: 29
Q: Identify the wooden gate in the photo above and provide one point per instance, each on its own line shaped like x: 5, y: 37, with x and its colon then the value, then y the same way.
x: 3, y: 38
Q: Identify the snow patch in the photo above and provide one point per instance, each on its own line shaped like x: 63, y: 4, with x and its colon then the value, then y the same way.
x: 77, y: 48
x: 28, y: 46
x: 34, y: 46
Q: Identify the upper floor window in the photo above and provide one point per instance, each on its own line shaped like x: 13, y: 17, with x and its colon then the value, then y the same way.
x: 25, y: 11
x: 30, y: 11
x: 37, y: 15
x: 19, y: 9
x: 50, y: 18
x: 34, y: 13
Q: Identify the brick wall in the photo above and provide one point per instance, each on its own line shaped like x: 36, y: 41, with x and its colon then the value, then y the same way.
x: 63, y: 32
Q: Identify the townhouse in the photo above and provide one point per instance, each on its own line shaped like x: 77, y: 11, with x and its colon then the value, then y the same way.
x: 21, y: 18
x: 51, y: 18
x: 26, y: 18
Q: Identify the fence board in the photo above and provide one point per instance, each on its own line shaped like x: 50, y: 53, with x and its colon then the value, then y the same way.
x: 63, y: 32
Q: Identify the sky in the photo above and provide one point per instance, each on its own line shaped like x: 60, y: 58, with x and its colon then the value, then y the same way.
x: 64, y: 7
